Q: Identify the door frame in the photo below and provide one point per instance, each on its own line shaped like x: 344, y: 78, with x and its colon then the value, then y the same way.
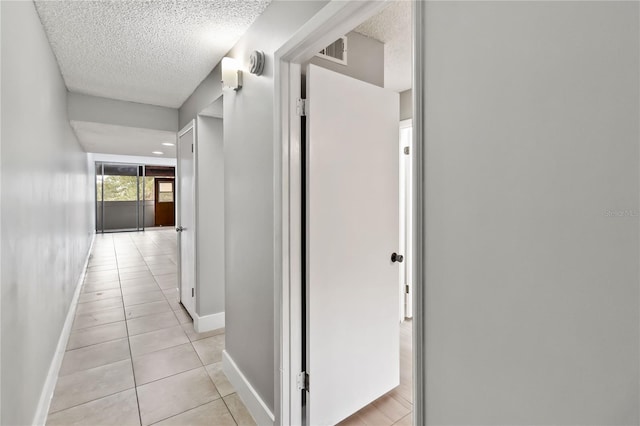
x: 404, y: 309
x: 331, y: 22
x: 191, y: 125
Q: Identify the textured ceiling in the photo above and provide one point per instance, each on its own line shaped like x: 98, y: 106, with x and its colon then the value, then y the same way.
x: 392, y: 27
x: 153, y: 52
x: 111, y: 139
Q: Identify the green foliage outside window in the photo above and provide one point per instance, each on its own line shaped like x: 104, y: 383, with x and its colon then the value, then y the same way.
x: 123, y: 188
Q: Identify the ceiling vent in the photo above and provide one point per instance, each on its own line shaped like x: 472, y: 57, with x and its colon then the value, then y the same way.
x: 336, y: 51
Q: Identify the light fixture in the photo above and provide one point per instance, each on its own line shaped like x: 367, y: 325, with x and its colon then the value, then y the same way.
x: 231, y: 74
x: 168, y: 144
x: 158, y: 152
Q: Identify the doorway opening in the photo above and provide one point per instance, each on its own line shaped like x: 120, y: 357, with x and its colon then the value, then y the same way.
x: 324, y: 185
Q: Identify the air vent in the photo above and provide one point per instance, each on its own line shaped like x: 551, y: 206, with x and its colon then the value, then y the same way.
x: 336, y: 51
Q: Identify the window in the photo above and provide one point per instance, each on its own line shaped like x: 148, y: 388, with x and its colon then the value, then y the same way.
x: 165, y: 192
x: 149, y: 188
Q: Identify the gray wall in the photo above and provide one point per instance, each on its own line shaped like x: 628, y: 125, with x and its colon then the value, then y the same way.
x: 207, y: 92
x: 249, y: 193
x: 96, y: 109
x: 121, y: 215
x: 365, y: 60
x: 149, y: 214
x: 46, y: 210
x: 210, y: 224
x: 406, y: 105
x: 532, y: 136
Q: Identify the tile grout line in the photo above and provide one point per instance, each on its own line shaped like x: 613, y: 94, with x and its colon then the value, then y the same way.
x: 133, y: 373
x: 201, y: 405
x: 210, y: 378
x: 180, y: 325
x: 214, y: 383
x: 190, y: 342
x: 203, y: 366
x: 134, y: 244
x: 92, y: 400
x: 228, y: 409
x: 95, y: 399
x: 115, y: 249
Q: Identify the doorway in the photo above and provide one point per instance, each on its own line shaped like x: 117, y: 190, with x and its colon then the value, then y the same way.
x: 295, y: 387
x: 164, y: 202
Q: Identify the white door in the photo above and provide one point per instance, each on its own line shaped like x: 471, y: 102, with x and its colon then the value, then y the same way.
x: 185, y: 217
x: 352, y: 229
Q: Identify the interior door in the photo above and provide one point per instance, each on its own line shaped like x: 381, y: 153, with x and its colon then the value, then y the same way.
x: 164, y: 202
x: 185, y: 209
x: 352, y: 229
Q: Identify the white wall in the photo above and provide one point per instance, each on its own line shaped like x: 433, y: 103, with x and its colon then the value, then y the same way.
x: 532, y: 133
x: 46, y: 210
x: 210, y: 217
x: 249, y: 194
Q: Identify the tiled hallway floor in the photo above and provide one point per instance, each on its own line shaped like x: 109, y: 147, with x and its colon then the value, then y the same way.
x: 133, y: 356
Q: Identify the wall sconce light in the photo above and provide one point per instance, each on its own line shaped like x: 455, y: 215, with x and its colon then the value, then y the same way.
x: 231, y: 74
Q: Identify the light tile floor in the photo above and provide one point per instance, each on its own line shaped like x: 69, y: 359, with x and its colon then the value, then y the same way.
x: 396, y: 407
x: 133, y: 356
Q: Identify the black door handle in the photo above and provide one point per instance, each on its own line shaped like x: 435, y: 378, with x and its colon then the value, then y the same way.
x: 395, y: 257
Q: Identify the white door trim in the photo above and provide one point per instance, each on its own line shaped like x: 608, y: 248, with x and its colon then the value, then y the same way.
x: 331, y: 22
x: 404, y: 124
x: 419, y: 284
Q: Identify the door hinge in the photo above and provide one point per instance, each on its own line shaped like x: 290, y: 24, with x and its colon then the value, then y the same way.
x: 406, y: 150
x: 302, y: 380
x: 191, y: 147
x: 406, y: 288
x: 302, y: 108
x: 193, y: 292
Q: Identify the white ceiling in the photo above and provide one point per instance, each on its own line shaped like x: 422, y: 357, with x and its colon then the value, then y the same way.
x: 110, y: 139
x: 392, y: 27
x: 153, y: 52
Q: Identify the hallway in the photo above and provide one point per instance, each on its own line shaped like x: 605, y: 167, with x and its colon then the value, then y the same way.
x: 133, y: 356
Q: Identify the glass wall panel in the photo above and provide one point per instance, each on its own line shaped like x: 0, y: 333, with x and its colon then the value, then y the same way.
x: 119, y: 206
x: 99, y: 189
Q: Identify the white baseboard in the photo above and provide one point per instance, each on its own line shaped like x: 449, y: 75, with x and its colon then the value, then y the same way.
x: 52, y: 377
x: 208, y: 322
x: 256, y: 406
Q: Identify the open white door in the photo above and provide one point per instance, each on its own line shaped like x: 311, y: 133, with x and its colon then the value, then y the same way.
x: 185, y: 217
x: 352, y: 229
